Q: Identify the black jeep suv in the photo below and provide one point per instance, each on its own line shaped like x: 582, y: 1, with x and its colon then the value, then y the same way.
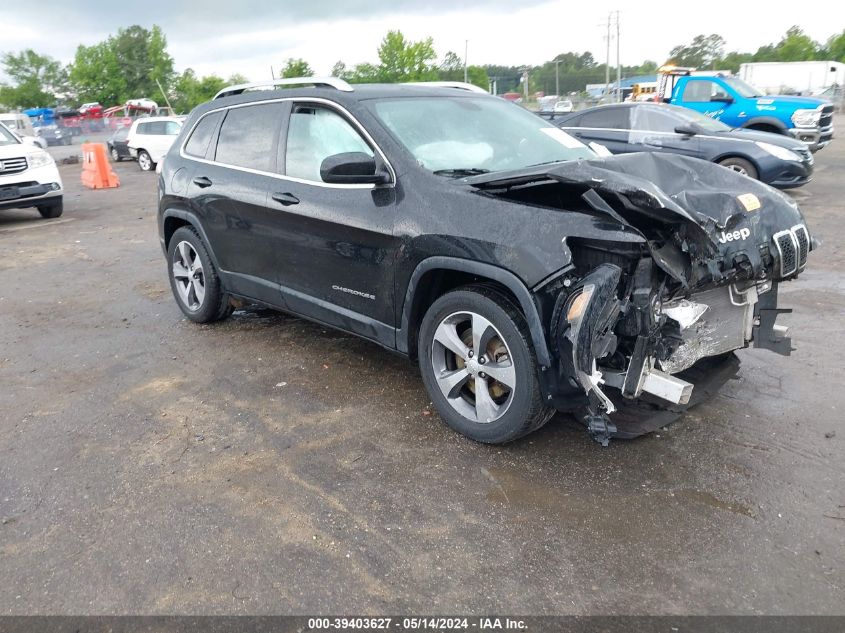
x: 521, y: 271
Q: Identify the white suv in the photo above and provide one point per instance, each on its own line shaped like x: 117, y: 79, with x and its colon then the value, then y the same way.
x: 28, y: 176
x: 150, y: 138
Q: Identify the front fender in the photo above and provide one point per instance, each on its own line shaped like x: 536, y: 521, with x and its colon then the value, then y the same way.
x: 500, y: 275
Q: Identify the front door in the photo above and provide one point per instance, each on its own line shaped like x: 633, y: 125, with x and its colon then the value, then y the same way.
x: 706, y: 96
x: 653, y: 130
x: 337, y: 246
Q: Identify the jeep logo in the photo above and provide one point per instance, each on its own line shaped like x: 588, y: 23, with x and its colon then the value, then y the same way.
x: 734, y: 236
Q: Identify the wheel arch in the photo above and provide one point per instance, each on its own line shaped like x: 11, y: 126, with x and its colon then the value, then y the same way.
x: 436, y: 275
x: 767, y: 121
x: 735, y: 154
x: 174, y: 219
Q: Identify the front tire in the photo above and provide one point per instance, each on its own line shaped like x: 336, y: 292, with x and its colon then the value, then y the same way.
x: 194, y: 279
x: 53, y: 210
x: 479, y: 368
x: 740, y: 165
x: 145, y: 161
x: 115, y: 155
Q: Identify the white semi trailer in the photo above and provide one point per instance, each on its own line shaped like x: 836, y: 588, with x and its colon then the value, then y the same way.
x: 805, y: 78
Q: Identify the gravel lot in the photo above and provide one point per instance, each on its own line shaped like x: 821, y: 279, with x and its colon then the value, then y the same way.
x: 269, y: 465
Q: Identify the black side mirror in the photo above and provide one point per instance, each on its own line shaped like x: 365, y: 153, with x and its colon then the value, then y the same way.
x: 688, y: 129
x: 352, y: 168
x: 724, y: 99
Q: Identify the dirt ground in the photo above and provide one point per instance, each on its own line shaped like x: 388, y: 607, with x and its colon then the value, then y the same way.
x: 269, y: 465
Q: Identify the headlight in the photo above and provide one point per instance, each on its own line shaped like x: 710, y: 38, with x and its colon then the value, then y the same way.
x: 40, y: 159
x: 806, y: 118
x: 778, y: 152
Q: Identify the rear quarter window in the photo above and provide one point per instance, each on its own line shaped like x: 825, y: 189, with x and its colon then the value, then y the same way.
x: 248, y: 136
x: 612, y: 118
x: 200, y: 139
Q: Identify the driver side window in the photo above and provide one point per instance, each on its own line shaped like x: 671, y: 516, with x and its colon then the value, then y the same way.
x: 314, y: 134
x: 701, y: 90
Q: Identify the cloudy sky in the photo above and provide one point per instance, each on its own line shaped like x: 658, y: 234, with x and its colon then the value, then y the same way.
x: 247, y: 36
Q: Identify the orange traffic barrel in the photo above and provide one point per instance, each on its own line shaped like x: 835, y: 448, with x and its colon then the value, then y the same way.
x: 96, y: 170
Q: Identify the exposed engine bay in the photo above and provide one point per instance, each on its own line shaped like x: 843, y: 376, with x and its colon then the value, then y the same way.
x: 701, y: 282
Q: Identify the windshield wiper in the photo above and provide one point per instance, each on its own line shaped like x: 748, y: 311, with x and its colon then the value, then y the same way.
x: 461, y: 172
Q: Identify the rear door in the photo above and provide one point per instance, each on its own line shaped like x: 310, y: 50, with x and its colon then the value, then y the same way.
x: 607, y: 125
x: 229, y: 187
x: 335, y: 244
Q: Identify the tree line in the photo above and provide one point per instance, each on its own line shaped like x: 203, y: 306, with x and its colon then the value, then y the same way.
x: 135, y: 63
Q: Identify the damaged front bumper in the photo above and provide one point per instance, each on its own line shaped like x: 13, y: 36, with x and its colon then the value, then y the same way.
x: 675, y: 336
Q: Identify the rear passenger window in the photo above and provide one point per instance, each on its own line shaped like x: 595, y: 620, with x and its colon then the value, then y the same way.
x: 613, y: 118
x: 201, y: 136
x: 314, y: 134
x: 247, y: 136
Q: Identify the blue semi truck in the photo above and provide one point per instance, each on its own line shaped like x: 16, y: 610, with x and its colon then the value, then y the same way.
x: 738, y: 104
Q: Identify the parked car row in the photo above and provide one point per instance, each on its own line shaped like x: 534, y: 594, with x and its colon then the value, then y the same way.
x: 775, y: 159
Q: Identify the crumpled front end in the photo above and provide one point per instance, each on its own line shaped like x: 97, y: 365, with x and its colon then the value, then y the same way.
x: 703, y: 282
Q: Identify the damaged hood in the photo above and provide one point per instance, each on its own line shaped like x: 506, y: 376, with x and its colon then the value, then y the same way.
x: 726, y: 215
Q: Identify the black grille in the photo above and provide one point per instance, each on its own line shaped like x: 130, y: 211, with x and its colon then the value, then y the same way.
x: 803, y: 244
x: 12, y: 165
x: 786, y: 249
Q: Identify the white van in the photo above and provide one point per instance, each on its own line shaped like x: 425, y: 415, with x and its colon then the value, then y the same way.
x: 21, y: 125
x: 150, y: 138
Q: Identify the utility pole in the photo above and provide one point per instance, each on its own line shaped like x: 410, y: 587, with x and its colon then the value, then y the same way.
x: 618, y: 63
x: 607, y: 58
x: 466, y: 52
x: 557, y: 78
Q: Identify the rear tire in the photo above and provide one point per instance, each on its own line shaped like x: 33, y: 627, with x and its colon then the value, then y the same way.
x: 464, y: 384
x: 194, y: 279
x: 53, y: 210
x: 740, y: 165
x: 115, y: 155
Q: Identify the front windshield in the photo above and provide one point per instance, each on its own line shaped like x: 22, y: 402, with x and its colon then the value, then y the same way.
x: 6, y: 137
x: 464, y: 135
x: 744, y: 89
x: 703, y: 121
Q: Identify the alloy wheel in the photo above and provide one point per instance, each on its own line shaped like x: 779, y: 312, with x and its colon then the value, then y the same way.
x: 473, y: 367
x: 189, y: 276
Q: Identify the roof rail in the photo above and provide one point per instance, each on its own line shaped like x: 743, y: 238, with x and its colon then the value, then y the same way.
x: 331, y: 82
x: 460, y: 85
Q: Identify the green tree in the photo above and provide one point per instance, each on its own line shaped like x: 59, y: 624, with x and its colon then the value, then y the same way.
x: 452, y: 63
x: 363, y: 73
x: 702, y: 52
x: 37, y: 79
x: 295, y: 67
x: 124, y: 66
x: 339, y: 70
x: 835, y: 49
x: 236, y: 79
x: 796, y: 46
x: 189, y: 90
x: 403, y: 60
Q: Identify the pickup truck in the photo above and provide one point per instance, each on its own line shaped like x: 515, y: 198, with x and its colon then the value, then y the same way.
x: 739, y: 105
